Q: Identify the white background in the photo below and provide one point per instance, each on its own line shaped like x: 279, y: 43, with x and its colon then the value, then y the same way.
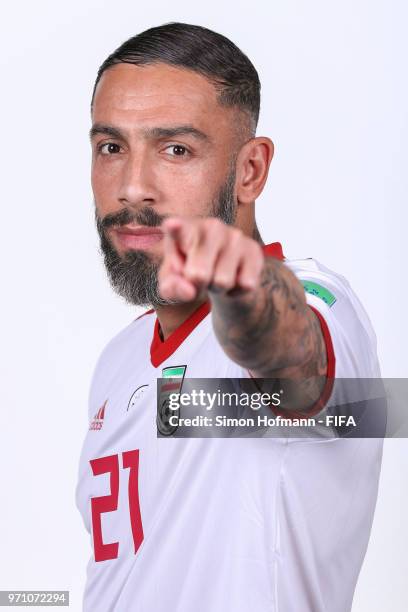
x: 334, y: 100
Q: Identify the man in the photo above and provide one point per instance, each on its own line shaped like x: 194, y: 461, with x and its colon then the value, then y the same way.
x: 186, y: 524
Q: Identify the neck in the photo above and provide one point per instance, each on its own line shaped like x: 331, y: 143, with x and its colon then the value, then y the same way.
x: 172, y: 316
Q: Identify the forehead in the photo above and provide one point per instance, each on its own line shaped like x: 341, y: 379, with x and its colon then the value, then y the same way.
x: 158, y: 93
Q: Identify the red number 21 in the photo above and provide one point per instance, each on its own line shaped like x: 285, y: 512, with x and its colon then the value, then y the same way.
x: 109, y: 503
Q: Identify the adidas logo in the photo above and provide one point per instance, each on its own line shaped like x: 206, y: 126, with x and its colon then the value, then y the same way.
x: 97, y: 421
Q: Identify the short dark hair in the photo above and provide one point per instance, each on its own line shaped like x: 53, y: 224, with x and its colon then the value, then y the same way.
x: 198, y: 49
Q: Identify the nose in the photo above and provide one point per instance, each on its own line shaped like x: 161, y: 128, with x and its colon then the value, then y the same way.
x: 137, y: 184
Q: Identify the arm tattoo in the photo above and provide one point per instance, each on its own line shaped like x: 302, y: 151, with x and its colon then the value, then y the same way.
x: 273, y: 333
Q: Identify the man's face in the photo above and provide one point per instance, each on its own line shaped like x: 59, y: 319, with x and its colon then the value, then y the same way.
x: 162, y: 145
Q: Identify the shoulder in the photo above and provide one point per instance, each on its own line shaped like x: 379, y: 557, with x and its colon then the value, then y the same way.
x: 127, y: 351
x: 132, y: 341
x: 353, y: 338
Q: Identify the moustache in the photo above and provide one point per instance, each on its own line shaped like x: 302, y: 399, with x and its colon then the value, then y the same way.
x: 145, y: 216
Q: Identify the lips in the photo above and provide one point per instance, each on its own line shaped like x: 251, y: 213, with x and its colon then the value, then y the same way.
x: 138, y: 230
x: 137, y: 236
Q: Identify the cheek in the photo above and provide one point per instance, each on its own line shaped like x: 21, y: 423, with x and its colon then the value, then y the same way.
x: 104, y: 186
x: 189, y: 198
x: 189, y: 191
x: 102, y: 177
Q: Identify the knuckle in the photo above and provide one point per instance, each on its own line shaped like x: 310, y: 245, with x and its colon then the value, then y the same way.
x: 236, y: 235
x: 255, y: 251
x: 198, y: 275
x: 213, y: 224
x: 223, y: 281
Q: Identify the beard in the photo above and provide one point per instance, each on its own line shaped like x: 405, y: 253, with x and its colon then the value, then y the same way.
x: 134, y: 275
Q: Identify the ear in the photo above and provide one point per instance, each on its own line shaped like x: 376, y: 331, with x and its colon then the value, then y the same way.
x: 253, y: 163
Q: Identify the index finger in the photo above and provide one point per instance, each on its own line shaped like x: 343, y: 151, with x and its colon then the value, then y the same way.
x: 173, y: 258
x: 181, y: 230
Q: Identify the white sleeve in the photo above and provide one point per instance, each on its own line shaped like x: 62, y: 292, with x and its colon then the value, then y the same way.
x: 353, y: 340
x: 351, y: 344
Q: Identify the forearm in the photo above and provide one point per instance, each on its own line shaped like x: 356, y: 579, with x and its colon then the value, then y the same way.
x: 270, y: 330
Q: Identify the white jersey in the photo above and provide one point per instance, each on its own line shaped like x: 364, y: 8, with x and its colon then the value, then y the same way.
x: 216, y: 524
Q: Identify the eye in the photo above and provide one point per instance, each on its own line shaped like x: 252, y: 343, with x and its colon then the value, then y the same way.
x: 109, y: 148
x: 177, y: 150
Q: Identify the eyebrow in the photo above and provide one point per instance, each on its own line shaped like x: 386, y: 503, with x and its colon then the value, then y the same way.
x: 154, y: 133
x: 108, y: 130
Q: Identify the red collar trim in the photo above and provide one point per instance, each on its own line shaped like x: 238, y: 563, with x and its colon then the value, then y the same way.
x: 273, y: 250
x: 160, y: 350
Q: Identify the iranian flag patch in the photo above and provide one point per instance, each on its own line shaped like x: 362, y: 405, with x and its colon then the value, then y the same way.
x: 174, y: 371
